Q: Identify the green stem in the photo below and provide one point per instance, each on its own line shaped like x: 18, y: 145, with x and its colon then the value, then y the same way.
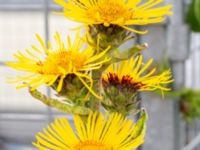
x: 94, y: 102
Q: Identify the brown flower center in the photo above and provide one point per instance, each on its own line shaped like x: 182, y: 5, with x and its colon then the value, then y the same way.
x: 125, y: 82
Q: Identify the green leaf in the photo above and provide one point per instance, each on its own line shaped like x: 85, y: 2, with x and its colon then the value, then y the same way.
x: 197, y: 9
x: 140, y: 127
x: 127, y: 54
x: 63, y: 107
x: 193, y: 16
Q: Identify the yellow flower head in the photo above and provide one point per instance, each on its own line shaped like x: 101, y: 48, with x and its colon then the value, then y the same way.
x: 130, y: 74
x: 100, y: 132
x: 54, y: 65
x: 115, y: 12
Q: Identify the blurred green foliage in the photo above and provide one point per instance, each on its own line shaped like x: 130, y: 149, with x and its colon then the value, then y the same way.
x: 193, y: 16
x: 189, y: 102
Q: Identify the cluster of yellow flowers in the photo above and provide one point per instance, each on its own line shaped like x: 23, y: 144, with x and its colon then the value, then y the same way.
x: 98, y: 74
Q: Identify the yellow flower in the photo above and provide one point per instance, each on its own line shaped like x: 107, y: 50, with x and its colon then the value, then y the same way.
x: 133, y: 74
x: 54, y: 65
x: 115, y: 12
x: 100, y: 132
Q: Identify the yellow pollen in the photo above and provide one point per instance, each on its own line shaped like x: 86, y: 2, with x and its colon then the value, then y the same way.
x: 67, y: 60
x: 109, y: 13
x: 92, y: 145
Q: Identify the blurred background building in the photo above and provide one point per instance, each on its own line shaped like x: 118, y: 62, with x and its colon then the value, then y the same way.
x: 21, y: 116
